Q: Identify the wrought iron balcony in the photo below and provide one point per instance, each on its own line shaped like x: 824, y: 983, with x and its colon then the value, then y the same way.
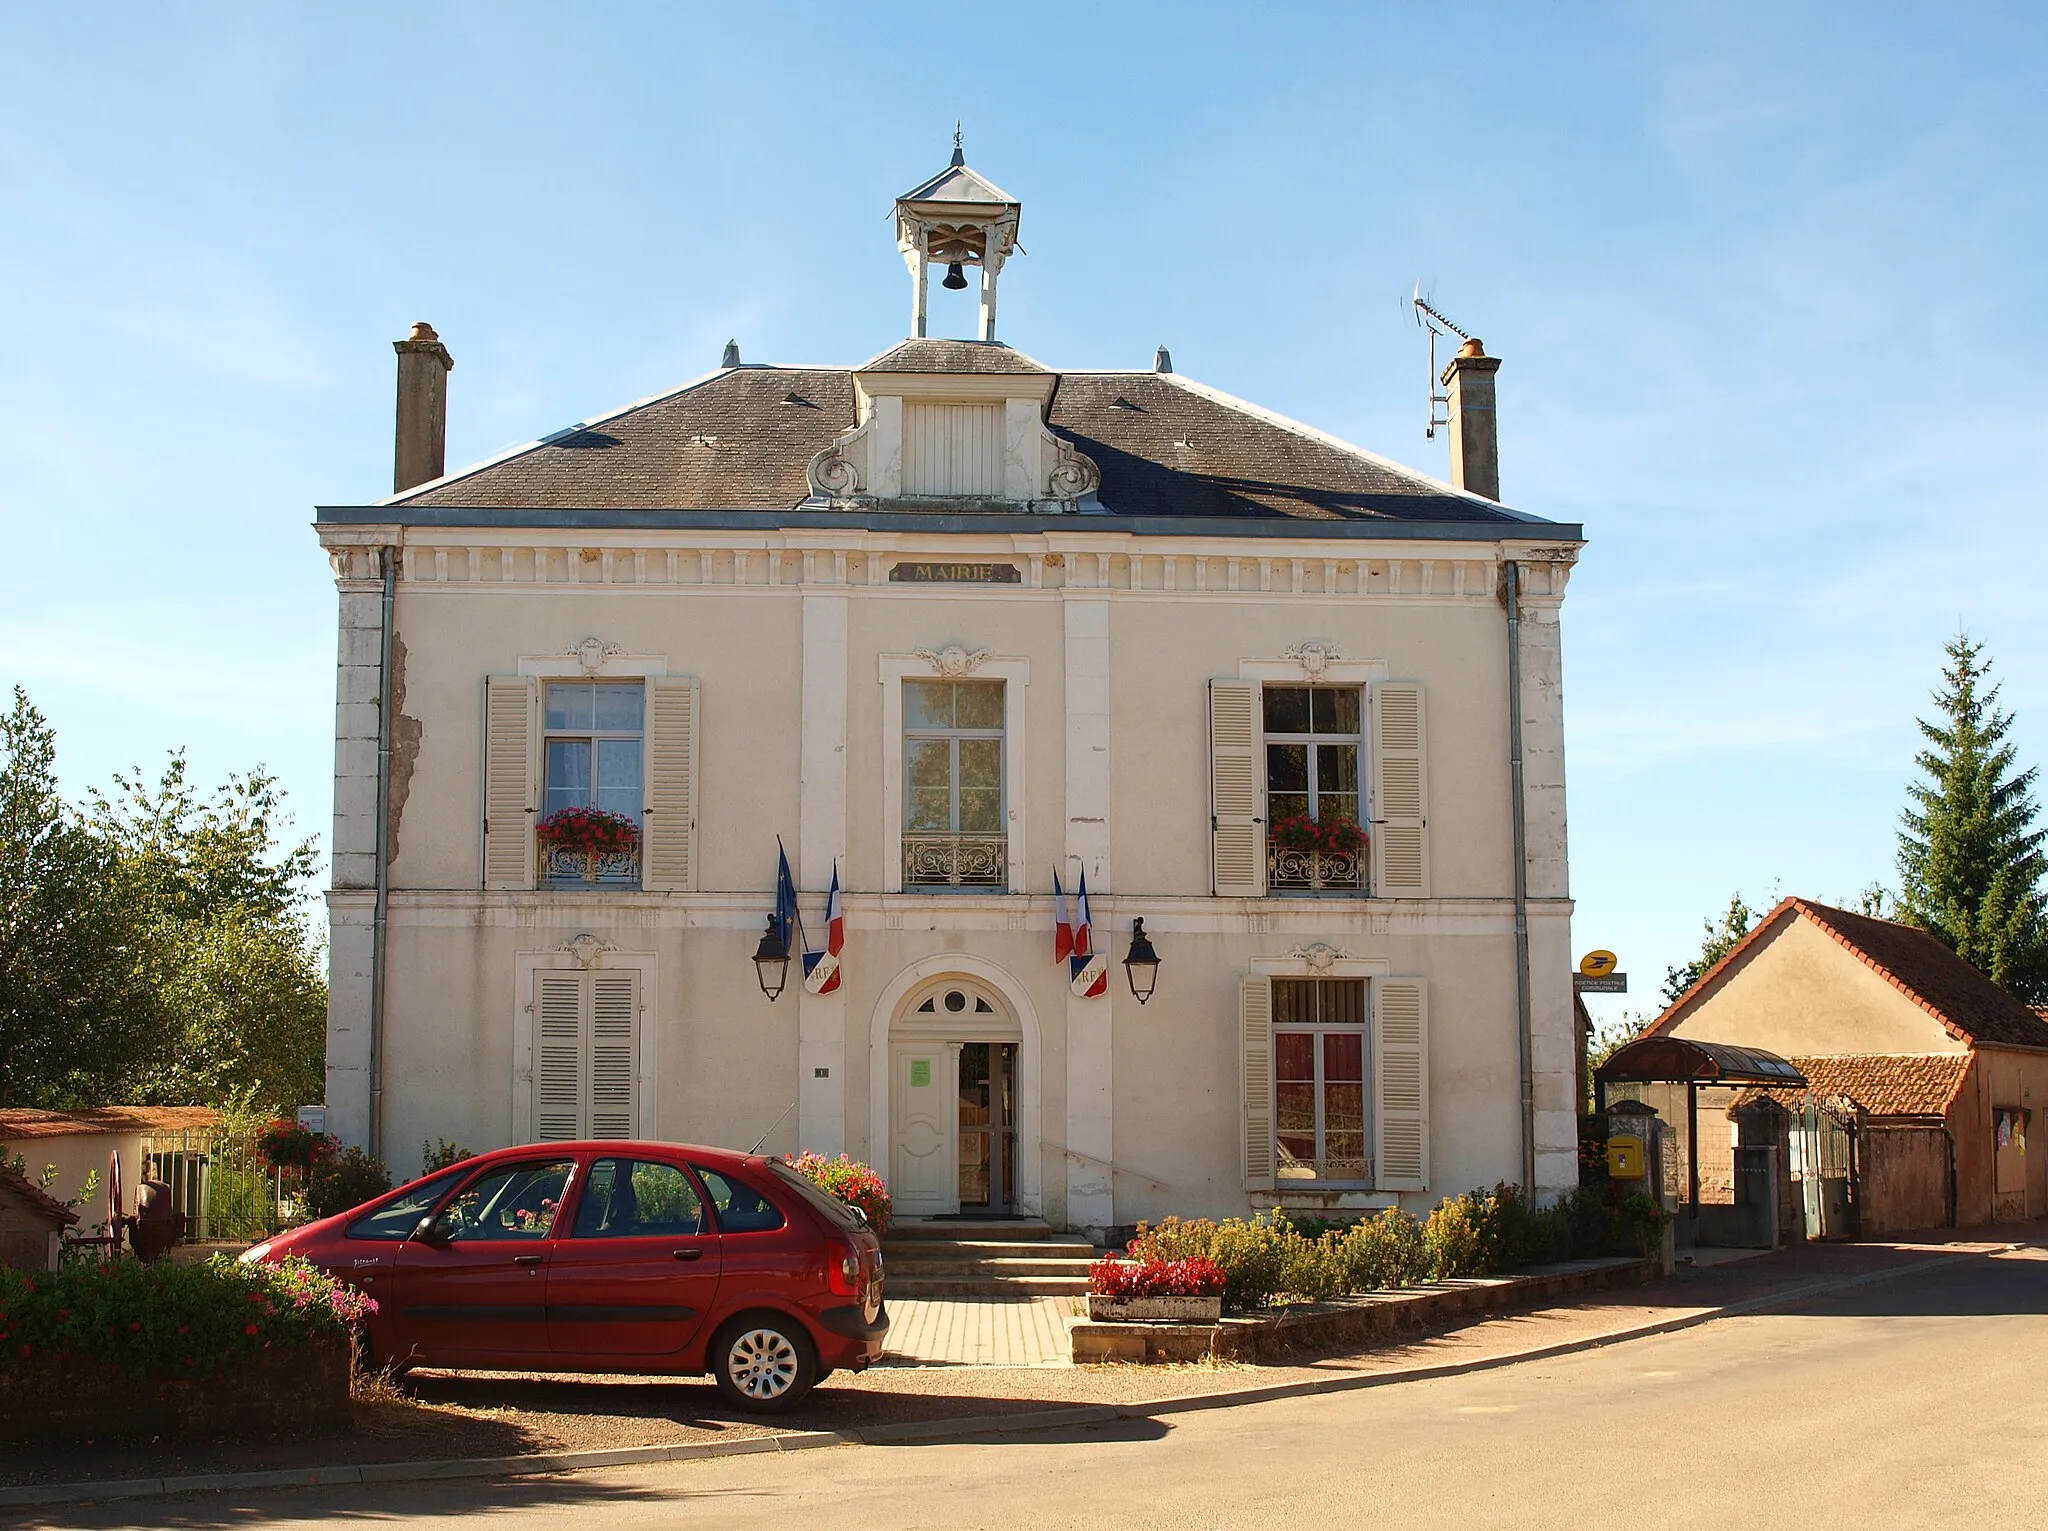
x: 1302, y: 871
x: 955, y: 861
x: 561, y: 867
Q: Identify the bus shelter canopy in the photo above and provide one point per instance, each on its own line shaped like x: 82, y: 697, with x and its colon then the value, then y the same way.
x: 1680, y: 1060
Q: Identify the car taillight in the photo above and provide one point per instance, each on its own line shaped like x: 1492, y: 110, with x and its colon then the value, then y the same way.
x: 844, y: 1273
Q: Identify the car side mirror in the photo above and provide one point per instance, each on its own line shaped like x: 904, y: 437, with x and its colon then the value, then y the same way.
x: 426, y: 1232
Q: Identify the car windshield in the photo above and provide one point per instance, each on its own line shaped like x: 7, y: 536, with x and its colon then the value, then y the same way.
x: 396, y: 1218
x: 835, y: 1210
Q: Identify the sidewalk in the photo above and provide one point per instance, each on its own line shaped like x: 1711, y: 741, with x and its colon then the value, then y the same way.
x: 489, y: 1424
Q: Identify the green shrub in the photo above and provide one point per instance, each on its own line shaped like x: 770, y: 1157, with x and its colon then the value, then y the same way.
x: 164, y: 1319
x: 1457, y: 1236
x: 442, y: 1155
x: 1383, y: 1253
x: 1257, y: 1255
x: 344, y: 1180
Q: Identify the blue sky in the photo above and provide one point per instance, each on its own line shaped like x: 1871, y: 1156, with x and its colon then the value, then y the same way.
x: 1766, y: 279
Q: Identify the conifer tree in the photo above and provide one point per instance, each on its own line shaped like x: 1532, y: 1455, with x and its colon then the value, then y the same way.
x: 1971, y: 862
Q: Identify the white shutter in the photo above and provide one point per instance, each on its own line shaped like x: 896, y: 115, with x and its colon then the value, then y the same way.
x: 1400, y: 792
x: 558, y: 1010
x: 1255, y: 1017
x: 1400, y: 1073
x: 509, y: 703
x: 668, y: 861
x: 614, y: 1059
x: 1237, y: 777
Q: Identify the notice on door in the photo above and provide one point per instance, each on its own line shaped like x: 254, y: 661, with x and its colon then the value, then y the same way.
x: 920, y: 1073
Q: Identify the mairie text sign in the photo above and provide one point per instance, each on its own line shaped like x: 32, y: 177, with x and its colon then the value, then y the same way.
x: 955, y: 574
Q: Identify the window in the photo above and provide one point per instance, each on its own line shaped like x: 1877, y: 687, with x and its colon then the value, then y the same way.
x: 953, y: 783
x: 831, y: 1208
x: 741, y: 1208
x: 1319, y: 1076
x: 593, y: 756
x: 519, y: 1202
x: 396, y: 1218
x: 1312, y: 743
x: 638, y: 1198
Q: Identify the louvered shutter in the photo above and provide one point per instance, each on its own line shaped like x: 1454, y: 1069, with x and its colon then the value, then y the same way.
x: 669, y: 856
x: 1400, y: 805
x: 509, y: 704
x: 558, y: 1026
x: 614, y: 1060
x: 1400, y: 1072
x: 1237, y: 776
x: 1255, y: 1017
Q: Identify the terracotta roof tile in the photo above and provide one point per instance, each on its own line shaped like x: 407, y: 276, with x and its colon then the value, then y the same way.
x: 1883, y: 1084
x: 37, y: 1198
x: 1970, y: 1006
x: 20, y: 1124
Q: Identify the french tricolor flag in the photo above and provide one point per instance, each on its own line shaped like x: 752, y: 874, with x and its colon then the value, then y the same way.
x: 1062, y: 927
x: 821, y: 969
x: 1088, y: 970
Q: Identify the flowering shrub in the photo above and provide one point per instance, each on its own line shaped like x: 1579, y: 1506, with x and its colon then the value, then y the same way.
x: 590, y: 831
x: 164, y: 1319
x: 1333, y: 834
x: 851, y: 1181
x: 536, y: 1220
x: 1198, y: 1276
x: 287, y: 1145
x: 343, y: 1180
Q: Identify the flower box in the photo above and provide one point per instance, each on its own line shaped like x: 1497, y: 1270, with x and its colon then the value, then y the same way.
x: 1155, y: 1310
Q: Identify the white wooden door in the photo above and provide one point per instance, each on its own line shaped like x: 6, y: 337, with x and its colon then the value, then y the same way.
x: 924, y: 1096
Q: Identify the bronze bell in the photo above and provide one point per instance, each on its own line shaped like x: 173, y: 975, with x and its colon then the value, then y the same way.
x: 955, y: 277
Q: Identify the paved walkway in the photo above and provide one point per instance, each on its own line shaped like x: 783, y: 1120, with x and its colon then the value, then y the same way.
x: 980, y: 1331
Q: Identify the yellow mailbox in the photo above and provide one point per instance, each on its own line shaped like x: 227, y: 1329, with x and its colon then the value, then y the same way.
x: 1625, y: 1158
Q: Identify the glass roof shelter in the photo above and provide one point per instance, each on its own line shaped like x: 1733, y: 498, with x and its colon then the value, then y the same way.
x: 1680, y: 1060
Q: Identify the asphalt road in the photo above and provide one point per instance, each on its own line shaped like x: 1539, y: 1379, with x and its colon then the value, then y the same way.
x: 1921, y: 1402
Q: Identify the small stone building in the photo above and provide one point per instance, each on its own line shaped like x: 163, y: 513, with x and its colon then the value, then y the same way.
x: 31, y: 1223
x: 1940, y: 1071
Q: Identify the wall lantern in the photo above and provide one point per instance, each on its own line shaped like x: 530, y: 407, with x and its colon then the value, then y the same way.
x: 771, y: 961
x: 1141, y: 965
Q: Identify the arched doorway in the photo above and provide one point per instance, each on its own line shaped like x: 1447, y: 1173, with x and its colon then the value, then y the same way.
x: 955, y: 1084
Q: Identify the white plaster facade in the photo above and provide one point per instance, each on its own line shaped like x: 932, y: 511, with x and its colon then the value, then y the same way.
x: 793, y: 643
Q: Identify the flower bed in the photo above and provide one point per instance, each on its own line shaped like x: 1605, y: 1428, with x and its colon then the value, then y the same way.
x: 96, y: 1351
x: 852, y: 1182
x: 1185, y: 1291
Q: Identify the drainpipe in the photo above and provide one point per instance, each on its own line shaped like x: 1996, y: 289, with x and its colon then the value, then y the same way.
x: 382, y: 909
x: 1522, y: 1001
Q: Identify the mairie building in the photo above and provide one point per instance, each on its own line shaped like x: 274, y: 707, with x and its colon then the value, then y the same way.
x: 950, y: 625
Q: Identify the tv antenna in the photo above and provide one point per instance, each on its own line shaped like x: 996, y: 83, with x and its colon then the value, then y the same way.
x: 1437, y: 324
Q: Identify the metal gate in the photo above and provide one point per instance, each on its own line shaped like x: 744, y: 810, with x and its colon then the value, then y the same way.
x: 1824, y: 1164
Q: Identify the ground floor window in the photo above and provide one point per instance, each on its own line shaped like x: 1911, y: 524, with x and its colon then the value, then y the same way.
x: 1320, y: 1068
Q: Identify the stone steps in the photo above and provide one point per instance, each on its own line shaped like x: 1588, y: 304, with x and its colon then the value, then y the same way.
x: 992, y: 1258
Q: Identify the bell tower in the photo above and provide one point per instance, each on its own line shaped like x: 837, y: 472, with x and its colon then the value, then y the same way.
x: 956, y: 219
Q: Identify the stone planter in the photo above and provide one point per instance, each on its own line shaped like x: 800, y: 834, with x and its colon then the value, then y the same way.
x: 300, y: 1389
x: 1154, y: 1310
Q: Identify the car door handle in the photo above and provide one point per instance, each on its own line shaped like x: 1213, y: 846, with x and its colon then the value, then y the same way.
x: 528, y: 1259
x: 689, y: 1254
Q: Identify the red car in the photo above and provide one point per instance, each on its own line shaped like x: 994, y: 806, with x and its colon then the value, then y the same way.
x: 613, y: 1257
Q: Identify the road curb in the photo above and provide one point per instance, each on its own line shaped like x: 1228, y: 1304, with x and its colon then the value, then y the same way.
x: 29, y: 1496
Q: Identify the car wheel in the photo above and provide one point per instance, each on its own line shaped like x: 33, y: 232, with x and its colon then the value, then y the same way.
x: 763, y: 1363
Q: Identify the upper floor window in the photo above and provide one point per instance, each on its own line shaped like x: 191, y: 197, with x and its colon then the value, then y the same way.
x: 594, y: 756
x: 953, y: 818
x: 1312, y: 746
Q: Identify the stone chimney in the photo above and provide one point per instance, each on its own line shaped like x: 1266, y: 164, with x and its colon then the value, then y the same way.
x: 423, y: 366
x: 1475, y: 439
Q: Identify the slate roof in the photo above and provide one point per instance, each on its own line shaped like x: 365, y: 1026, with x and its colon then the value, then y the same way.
x: 37, y: 1199
x: 1879, y: 1084
x: 1969, y: 1006
x: 19, y: 1124
x: 742, y: 439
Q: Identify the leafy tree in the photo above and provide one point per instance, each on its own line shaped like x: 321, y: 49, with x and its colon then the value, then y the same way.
x: 1722, y: 934
x: 1971, y: 862
x: 74, y: 1011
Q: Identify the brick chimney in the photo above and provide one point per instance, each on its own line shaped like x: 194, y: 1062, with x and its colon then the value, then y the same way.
x: 1475, y: 439
x: 423, y: 366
